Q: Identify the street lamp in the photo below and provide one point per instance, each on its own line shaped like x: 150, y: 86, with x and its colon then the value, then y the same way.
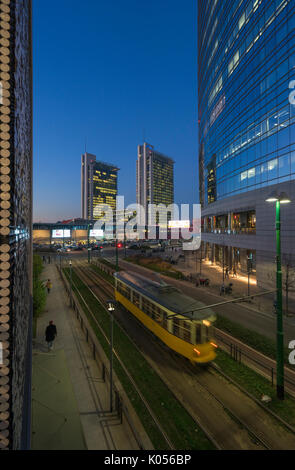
x: 70, y: 263
x: 111, y: 304
x: 88, y: 242
x: 279, y: 199
x: 117, y: 256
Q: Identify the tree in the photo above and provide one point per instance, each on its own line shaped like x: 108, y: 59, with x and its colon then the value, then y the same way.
x: 288, y: 281
x: 39, y: 291
x: 288, y: 275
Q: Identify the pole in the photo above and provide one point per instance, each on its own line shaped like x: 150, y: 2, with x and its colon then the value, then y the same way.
x: 117, y: 257
x: 88, y: 242
x: 71, y: 282
x: 201, y: 260
x: 249, y: 271
x: 111, y: 361
x: 280, y: 334
x: 223, y: 264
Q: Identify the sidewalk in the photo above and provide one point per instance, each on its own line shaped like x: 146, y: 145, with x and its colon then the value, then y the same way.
x: 69, y: 398
x: 239, y: 285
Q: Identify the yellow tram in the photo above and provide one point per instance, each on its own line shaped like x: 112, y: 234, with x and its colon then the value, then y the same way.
x: 170, y: 315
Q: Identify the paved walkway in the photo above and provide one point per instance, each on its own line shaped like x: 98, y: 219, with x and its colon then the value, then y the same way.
x: 190, y: 265
x: 70, y: 400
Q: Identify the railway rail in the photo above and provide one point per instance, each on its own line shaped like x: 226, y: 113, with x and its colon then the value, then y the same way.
x: 154, y: 418
x: 207, y: 384
x: 257, y: 361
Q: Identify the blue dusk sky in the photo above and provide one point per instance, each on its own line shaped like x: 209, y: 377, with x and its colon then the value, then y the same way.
x: 108, y: 74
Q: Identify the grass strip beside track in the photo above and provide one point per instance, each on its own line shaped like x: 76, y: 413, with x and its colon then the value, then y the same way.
x: 107, y: 263
x: 154, y: 267
x: 257, y: 386
x: 103, y: 274
x: 178, y: 424
x: 261, y: 343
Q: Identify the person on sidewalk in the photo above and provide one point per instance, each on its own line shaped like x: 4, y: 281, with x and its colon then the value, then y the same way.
x: 50, y: 334
x: 49, y: 286
x: 226, y: 273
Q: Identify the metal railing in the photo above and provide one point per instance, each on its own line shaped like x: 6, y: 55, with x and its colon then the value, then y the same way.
x: 120, y: 408
x: 227, y: 231
x: 241, y: 355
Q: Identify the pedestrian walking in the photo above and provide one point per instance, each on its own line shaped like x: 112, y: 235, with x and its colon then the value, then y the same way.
x: 226, y: 273
x: 50, y: 334
x: 49, y: 286
x: 44, y: 259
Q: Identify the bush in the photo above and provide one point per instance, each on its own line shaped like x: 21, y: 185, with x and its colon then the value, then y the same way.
x: 37, y: 267
x: 39, y: 292
x: 39, y: 298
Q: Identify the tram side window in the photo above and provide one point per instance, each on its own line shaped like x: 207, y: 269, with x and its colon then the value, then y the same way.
x: 124, y: 290
x: 187, y: 331
x: 136, y: 299
x: 165, y: 321
x: 182, y: 329
x: 198, y: 333
x: 157, y: 314
x: 147, y: 307
x: 176, y: 327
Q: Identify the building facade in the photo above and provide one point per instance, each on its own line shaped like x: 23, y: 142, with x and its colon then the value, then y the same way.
x: 15, y: 223
x: 154, y: 180
x: 246, y: 57
x: 99, y: 185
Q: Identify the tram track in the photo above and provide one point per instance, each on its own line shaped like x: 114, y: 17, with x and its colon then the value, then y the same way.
x: 204, y: 385
x: 154, y: 418
x: 105, y: 295
x: 255, y: 360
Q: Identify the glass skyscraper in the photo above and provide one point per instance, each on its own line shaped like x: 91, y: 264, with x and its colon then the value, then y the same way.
x: 246, y: 58
x: 99, y: 182
x: 154, y: 180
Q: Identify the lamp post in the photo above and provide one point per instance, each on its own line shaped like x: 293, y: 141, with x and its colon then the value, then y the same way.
x: 279, y: 199
x: 117, y: 256
x: 88, y: 242
x: 111, y: 307
x: 70, y: 263
x: 249, y: 270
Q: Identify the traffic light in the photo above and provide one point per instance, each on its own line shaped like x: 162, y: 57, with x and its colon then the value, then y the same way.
x: 119, y: 245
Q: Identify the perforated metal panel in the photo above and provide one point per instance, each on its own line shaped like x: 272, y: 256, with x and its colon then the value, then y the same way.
x: 15, y: 214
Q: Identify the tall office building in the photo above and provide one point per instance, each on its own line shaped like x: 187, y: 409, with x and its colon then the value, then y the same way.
x: 15, y: 223
x: 99, y: 183
x: 246, y: 56
x: 154, y: 179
